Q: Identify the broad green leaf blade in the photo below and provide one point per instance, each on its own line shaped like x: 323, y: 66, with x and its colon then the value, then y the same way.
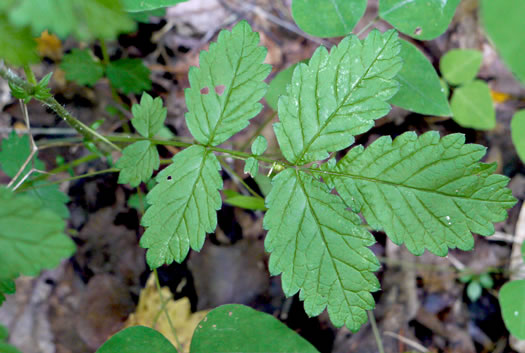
x: 337, y: 96
x: 13, y: 154
x: 460, y: 66
x: 474, y: 291
x: 426, y: 192
x: 472, y: 106
x: 251, y: 167
x: 420, y: 19
x: 17, y: 45
x: 328, y: 18
x: 320, y: 249
x: 517, y: 129
x: 147, y: 5
x: 233, y: 198
x: 420, y: 90
x: 278, y: 86
x: 31, y: 237
x: 503, y: 21
x: 148, y: 116
x: 259, y: 146
x: 238, y: 328
x: 512, y: 303
x: 137, y: 339
x: 7, y: 286
x: 129, y: 75
x: 144, y: 16
x: 137, y: 163
x: 86, y: 20
x: 183, y: 206
x: 226, y: 88
x: 81, y: 67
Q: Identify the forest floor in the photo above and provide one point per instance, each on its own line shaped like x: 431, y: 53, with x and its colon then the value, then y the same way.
x: 423, y: 304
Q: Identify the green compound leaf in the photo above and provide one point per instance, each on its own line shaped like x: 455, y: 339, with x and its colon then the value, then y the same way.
x: 225, y: 90
x: 86, y: 20
x: 17, y: 45
x: 31, y: 237
x: 420, y: 90
x: 460, y: 66
x: 472, y: 106
x: 183, y: 206
x: 423, y: 20
x: 137, y: 339
x: 81, y: 67
x: 320, y: 248
x: 328, y: 18
x: 512, y: 303
x: 337, y: 96
x: 426, y: 192
x: 238, y: 328
x: 503, y: 21
x: 7, y: 286
x: 14, y: 153
x: 517, y: 130
x: 129, y: 75
x: 147, y: 5
x: 137, y: 163
x: 148, y: 116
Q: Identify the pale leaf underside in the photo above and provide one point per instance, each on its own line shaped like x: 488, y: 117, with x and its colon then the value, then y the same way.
x: 226, y: 88
x: 337, y: 96
x: 183, y: 206
x: 426, y: 192
x: 320, y: 248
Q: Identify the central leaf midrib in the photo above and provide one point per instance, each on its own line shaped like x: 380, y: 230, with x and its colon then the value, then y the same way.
x: 230, y: 90
x: 334, y: 113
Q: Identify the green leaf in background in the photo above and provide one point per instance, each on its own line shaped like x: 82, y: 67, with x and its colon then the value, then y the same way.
x: 86, y: 20
x: 523, y: 251
x: 233, y: 198
x: 17, y: 45
x: 264, y: 182
x: 320, y: 248
x: 328, y: 18
x: 129, y: 75
x: 31, y: 237
x: 144, y: 16
x: 259, y: 146
x: 148, y: 116
x: 251, y: 167
x: 148, y: 5
x: 423, y: 20
x: 351, y: 83
x: 4, y: 347
x: 278, y: 85
x: 183, y: 206
x: 517, y: 130
x: 225, y: 90
x: 7, y: 286
x: 137, y: 163
x: 460, y: 66
x: 428, y: 186
x: 81, y: 67
x: 474, y: 291
x: 238, y: 328
x: 486, y: 281
x: 472, y: 106
x: 420, y: 90
x: 13, y: 154
x: 137, y: 339
x: 504, y: 24
x: 512, y: 303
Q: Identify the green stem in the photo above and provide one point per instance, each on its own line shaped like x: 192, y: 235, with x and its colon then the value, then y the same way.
x: 375, y: 330
x: 368, y: 25
x: 52, y: 103
x: 239, y: 179
x: 104, y: 49
x: 30, y: 75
